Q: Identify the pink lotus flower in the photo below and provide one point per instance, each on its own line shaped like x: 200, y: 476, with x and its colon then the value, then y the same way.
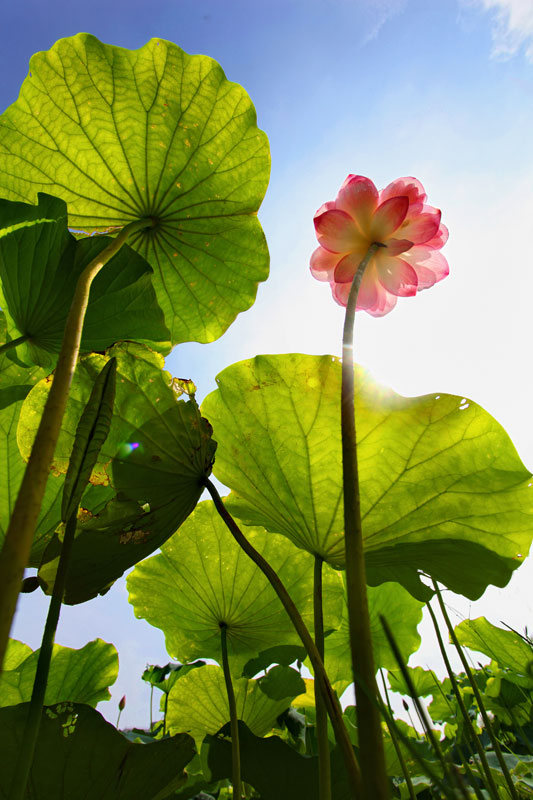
x: 396, y: 217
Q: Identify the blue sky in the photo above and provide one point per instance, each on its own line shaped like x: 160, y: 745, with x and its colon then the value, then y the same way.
x: 441, y: 90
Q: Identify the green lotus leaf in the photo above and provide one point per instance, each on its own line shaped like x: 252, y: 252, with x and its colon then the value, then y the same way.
x: 16, y: 653
x: 40, y: 263
x: 425, y: 681
x: 274, y: 768
x: 283, y: 654
x: 507, y: 648
x: 402, y: 612
x: 198, y: 704
x: 80, y: 676
x: 79, y: 754
x: 203, y: 578
x: 442, y: 487
x: 155, y: 459
x: 152, y: 133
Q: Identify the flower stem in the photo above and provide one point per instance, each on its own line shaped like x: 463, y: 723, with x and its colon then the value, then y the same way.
x: 488, y: 726
x: 13, y: 343
x: 324, y: 760
x: 35, y: 710
x: 234, y: 722
x: 372, y: 754
x: 17, y: 544
x: 330, y: 698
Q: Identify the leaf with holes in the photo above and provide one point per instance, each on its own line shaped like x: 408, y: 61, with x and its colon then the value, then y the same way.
x: 152, y: 133
x: 156, y: 456
x: 203, y: 578
x: 80, y: 676
x: 442, y: 487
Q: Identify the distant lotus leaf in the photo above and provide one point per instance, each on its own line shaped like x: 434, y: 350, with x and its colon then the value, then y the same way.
x: 151, y: 134
x: 198, y: 704
x: 155, y: 458
x: 442, y: 487
x: 425, y: 681
x: 402, y: 612
x: 79, y: 754
x: 513, y: 654
x: 203, y: 578
x: 40, y: 262
x: 80, y: 676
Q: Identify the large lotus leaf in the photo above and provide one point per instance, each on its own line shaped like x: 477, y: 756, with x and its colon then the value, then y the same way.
x: 152, y: 133
x: 203, y: 578
x: 81, y: 676
x: 40, y: 263
x: 80, y: 756
x: 442, y: 487
x: 507, y: 648
x: 274, y: 768
x: 198, y: 704
x: 156, y: 456
x: 403, y: 614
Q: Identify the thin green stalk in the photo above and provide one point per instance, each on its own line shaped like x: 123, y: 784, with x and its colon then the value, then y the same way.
x: 427, y: 769
x: 151, y: 706
x: 477, y: 694
x: 421, y: 711
x: 493, y: 790
x: 396, y: 744
x: 331, y: 700
x: 33, y: 720
x: 324, y: 760
x: 17, y: 544
x: 234, y: 722
x: 373, y: 768
x: 13, y: 343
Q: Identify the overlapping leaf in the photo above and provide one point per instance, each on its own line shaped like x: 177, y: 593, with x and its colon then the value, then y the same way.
x: 203, y: 578
x: 80, y: 676
x: 40, y: 262
x: 507, y: 648
x: 152, y: 133
x: 79, y: 754
x: 274, y: 768
x: 403, y: 614
x: 198, y: 704
x: 155, y: 458
x: 442, y: 487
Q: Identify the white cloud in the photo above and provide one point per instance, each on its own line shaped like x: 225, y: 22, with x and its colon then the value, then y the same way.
x: 381, y: 12
x: 512, y: 26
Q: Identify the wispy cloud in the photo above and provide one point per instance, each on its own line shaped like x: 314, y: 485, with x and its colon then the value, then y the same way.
x: 381, y: 12
x: 512, y: 26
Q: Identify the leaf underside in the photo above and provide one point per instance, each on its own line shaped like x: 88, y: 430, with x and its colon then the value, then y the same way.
x: 152, y: 134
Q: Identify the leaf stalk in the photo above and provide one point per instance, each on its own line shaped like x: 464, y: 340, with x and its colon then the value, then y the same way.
x: 234, y: 722
x: 324, y: 760
x: 331, y: 700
